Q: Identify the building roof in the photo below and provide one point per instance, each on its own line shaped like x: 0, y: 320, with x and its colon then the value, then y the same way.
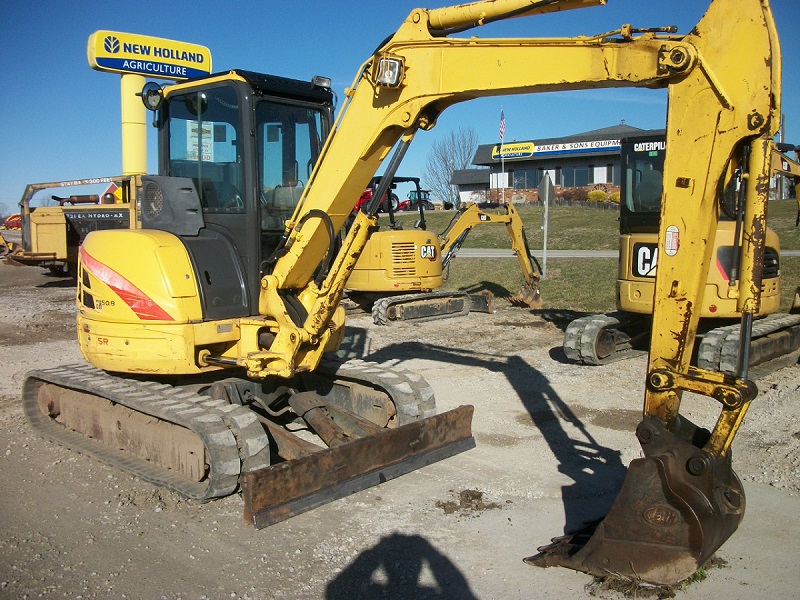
x: 483, y: 155
x: 470, y: 177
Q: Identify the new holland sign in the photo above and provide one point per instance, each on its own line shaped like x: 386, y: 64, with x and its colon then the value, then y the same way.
x: 521, y: 150
x: 513, y: 150
x: 149, y: 56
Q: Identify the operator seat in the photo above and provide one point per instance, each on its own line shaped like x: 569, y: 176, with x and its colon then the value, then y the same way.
x: 647, y: 196
x: 277, y: 205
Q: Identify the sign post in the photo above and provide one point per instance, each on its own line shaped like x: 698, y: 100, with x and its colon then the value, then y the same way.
x: 136, y: 57
x: 546, y: 192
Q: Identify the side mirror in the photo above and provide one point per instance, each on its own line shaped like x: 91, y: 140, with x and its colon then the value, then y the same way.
x: 151, y: 95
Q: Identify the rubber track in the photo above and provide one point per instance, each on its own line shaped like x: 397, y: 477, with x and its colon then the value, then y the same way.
x: 719, y: 348
x: 381, y: 306
x: 411, y: 393
x: 581, y: 335
x: 163, y: 402
x: 233, y: 438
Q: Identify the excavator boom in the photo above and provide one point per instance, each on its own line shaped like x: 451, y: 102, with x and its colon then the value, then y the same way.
x: 724, y: 102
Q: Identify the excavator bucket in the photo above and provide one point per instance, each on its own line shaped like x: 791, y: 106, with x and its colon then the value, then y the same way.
x: 677, y: 506
x: 528, y: 295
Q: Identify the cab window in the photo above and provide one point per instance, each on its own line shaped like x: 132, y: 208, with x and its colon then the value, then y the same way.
x: 289, y: 142
x: 204, y: 144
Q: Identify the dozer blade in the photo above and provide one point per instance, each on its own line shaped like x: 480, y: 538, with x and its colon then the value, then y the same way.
x: 482, y: 302
x: 283, y: 490
x: 677, y: 506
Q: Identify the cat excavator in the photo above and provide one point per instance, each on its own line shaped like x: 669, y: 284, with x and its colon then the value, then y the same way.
x: 400, y: 271
x: 606, y: 338
x: 206, y: 331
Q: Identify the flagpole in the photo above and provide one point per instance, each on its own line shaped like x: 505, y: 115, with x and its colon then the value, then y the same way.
x: 502, y: 160
x: 502, y: 176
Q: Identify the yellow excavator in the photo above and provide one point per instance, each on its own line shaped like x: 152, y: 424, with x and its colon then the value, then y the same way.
x: 206, y: 330
x: 605, y: 338
x: 11, y: 223
x: 399, y: 271
x: 51, y: 235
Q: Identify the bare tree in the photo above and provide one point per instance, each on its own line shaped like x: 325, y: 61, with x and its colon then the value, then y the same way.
x: 451, y: 153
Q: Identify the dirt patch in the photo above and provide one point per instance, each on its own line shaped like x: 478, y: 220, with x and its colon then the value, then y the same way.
x: 50, y: 325
x: 469, y: 503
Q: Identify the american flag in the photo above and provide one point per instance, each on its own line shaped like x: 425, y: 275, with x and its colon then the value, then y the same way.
x: 502, y: 124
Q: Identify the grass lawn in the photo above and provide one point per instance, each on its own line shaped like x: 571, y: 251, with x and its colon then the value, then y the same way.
x: 578, y: 284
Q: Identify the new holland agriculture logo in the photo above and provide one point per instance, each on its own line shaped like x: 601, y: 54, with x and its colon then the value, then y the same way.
x: 154, y: 57
x: 520, y: 150
x: 111, y: 44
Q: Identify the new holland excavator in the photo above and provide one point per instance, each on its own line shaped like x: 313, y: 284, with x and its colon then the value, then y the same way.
x: 605, y: 338
x: 399, y: 271
x: 206, y: 330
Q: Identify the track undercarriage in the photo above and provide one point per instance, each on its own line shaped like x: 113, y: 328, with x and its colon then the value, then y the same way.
x: 604, y: 339
x: 288, y: 447
x: 427, y: 306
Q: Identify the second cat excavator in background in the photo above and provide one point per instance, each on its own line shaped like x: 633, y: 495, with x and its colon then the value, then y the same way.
x: 400, y: 271
x: 605, y: 338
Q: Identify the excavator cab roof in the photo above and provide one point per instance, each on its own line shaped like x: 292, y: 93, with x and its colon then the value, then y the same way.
x: 317, y: 89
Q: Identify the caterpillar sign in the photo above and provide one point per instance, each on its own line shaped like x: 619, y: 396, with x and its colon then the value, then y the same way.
x: 149, y: 56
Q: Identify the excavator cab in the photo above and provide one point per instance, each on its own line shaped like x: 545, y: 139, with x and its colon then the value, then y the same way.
x: 642, y: 161
x: 248, y: 185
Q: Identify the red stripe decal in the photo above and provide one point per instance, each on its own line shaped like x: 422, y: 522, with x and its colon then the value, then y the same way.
x: 722, y: 270
x: 139, y: 302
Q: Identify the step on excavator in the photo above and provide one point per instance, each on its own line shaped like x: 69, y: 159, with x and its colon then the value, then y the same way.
x: 206, y: 331
x: 400, y: 271
x: 606, y: 338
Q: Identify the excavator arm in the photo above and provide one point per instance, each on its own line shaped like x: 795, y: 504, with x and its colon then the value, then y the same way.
x: 468, y: 217
x: 683, y: 493
x: 420, y: 72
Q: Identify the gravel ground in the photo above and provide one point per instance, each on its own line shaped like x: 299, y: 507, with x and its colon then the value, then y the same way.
x: 553, y: 440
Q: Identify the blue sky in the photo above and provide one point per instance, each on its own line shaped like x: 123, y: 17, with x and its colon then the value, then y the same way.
x: 62, y: 118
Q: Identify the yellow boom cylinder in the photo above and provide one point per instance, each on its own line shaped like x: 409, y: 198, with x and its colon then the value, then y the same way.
x: 478, y: 13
